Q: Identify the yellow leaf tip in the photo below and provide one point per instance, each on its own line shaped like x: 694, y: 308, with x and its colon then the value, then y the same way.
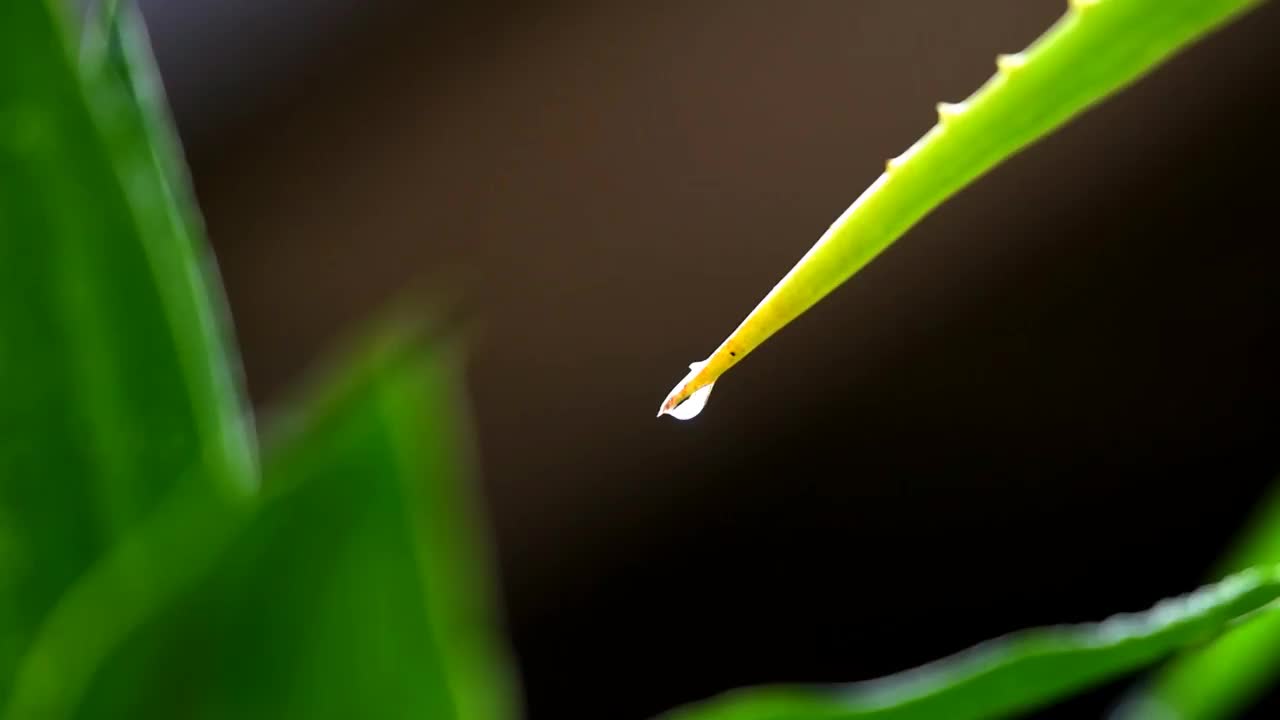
x: 683, y: 403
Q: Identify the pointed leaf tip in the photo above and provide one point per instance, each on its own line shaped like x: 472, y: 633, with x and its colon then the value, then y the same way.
x: 682, y: 404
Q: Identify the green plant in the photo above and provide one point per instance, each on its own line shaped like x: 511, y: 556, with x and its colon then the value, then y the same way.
x: 1220, y: 679
x: 144, y: 569
x: 1013, y: 674
x: 1097, y: 48
x: 155, y: 561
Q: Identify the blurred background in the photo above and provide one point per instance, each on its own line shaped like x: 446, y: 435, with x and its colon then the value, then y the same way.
x: 1056, y: 398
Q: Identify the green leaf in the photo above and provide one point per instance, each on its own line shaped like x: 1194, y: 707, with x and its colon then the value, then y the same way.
x: 361, y: 588
x: 1017, y: 673
x: 1221, y: 679
x: 121, y: 394
x: 1098, y: 48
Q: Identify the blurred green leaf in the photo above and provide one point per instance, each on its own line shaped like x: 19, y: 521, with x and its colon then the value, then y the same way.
x: 1015, y: 674
x: 1221, y: 679
x: 120, y: 392
x: 131, y: 567
x: 361, y: 587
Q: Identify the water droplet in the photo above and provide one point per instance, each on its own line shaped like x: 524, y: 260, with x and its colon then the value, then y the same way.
x: 690, y: 408
x: 692, y: 405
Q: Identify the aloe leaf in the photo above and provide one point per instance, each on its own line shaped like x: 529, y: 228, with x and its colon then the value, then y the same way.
x: 1223, y: 678
x: 361, y: 587
x: 1096, y: 49
x: 1017, y: 673
x: 121, y: 395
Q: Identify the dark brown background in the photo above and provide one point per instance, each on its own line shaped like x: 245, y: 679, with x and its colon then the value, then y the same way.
x: 1054, y: 399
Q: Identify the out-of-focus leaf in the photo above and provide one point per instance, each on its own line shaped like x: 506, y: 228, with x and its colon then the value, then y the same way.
x: 1220, y: 680
x: 1015, y: 674
x: 360, y: 589
x: 120, y: 396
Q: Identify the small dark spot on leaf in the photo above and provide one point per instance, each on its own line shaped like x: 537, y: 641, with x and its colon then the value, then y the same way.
x: 733, y: 354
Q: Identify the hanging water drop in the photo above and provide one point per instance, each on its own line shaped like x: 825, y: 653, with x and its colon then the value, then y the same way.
x: 681, y: 404
x: 690, y: 408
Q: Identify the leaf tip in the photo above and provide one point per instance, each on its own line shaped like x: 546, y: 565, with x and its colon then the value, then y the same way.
x: 687, y: 398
